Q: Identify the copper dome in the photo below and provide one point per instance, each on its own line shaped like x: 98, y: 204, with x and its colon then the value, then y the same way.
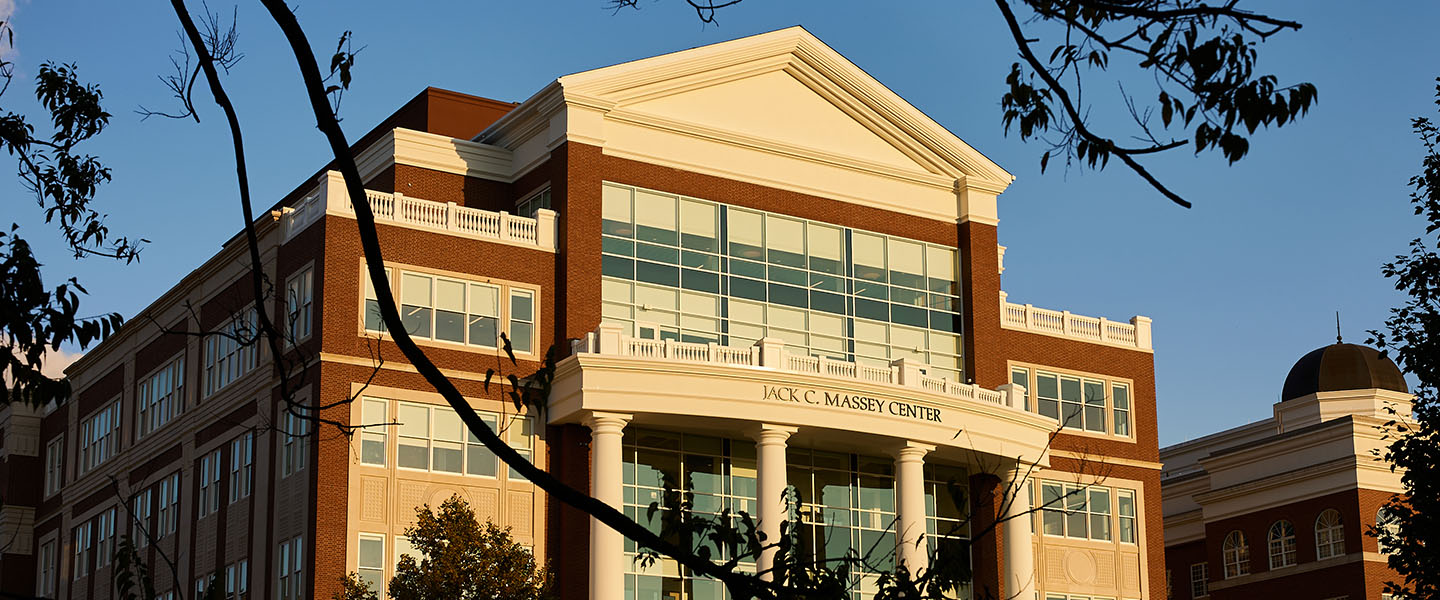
x: 1342, y: 367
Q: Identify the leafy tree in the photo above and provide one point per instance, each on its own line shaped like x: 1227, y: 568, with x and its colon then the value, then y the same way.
x: 1413, y: 336
x: 35, y: 319
x: 1200, y: 56
x: 354, y: 587
x: 466, y: 560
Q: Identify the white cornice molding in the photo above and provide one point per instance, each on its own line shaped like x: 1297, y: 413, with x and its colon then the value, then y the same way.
x: 452, y: 155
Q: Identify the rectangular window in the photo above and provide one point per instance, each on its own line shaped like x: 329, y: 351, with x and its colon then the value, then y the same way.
x: 230, y: 582
x: 140, y: 527
x: 522, y: 321
x: 373, y: 320
x: 293, y: 444
x: 371, y: 561
x: 242, y: 466
x: 54, y: 465
x: 1089, y: 404
x: 1120, y: 400
x: 82, y: 550
x: 105, y: 537
x: 99, y: 437
x: 1125, y: 503
x: 812, y: 284
x: 529, y: 206
x: 299, y: 298
x: 521, y: 437
x: 1199, y: 580
x: 373, y: 438
x: 169, y: 506
x: 242, y: 585
x: 160, y: 398
x: 232, y: 352
x: 209, y: 484
x: 460, y: 311
x: 291, y: 567
x: 45, y: 587
x: 1085, y: 512
x: 1021, y: 377
x: 432, y: 438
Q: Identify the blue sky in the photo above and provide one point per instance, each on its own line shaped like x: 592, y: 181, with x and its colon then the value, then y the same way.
x: 1239, y: 286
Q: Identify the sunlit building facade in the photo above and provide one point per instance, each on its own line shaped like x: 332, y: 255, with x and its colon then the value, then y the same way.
x: 772, y: 286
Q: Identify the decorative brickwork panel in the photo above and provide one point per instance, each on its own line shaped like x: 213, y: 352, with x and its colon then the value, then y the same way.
x: 521, y: 515
x: 372, y: 507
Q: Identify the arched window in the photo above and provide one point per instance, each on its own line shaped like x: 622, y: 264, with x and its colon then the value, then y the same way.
x: 1282, y: 545
x: 1385, y: 524
x: 1236, y: 554
x: 1329, y: 535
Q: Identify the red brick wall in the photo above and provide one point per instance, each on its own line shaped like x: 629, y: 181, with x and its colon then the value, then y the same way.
x: 1178, y: 559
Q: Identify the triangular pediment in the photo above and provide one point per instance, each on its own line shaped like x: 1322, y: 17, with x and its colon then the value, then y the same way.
x: 788, y: 90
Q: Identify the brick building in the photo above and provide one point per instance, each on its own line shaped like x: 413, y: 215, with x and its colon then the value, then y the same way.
x: 1282, y: 507
x: 761, y: 268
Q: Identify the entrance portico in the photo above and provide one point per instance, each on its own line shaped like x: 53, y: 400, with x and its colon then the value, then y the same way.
x: 763, y: 395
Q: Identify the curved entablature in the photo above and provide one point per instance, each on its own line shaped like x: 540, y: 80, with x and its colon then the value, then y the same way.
x: 832, y: 403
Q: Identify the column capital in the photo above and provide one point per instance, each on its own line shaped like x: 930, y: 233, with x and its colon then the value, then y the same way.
x: 911, y: 451
x: 603, y: 422
x: 767, y: 433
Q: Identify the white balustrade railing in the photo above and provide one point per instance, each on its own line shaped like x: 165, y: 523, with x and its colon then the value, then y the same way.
x: 771, y: 353
x: 1060, y: 323
x: 405, y: 211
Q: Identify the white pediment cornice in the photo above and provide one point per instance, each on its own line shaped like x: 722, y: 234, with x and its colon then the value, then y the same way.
x: 855, y: 135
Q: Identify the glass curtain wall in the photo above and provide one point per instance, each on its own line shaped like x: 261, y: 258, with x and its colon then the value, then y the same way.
x: 688, y: 269
x: 845, y: 504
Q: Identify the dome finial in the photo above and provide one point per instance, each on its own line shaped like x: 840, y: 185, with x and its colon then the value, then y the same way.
x: 1338, y: 339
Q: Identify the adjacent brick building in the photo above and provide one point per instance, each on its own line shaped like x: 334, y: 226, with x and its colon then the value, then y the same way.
x: 1285, y: 507
x: 761, y: 270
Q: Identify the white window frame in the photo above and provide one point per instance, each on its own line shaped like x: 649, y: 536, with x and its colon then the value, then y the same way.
x: 504, y: 293
x: 242, y: 466
x: 1329, y: 535
x: 1280, y: 542
x: 291, y: 568
x: 55, y: 465
x: 1235, y: 552
x: 379, y: 568
x: 160, y: 397
x: 534, y: 202
x: 1068, y: 506
x: 299, y: 305
x: 226, y: 358
x: 1199, y: 580
x: 405, y: 438
x: 1385, y: 523
x: 1116, y: 419
x: 376, y: 429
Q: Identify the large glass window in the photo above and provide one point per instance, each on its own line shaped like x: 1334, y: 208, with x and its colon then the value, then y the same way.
x: 1199, y: 580
x: 433, y: 438
x: 370, y: 561
x: 1089, y: 512
x: 299, y: 300
x: 1077, y: 402
x: 232, y: 352
x: 99, y: 437
x: 459, y: 311
x: 161, y: 397
x: 373, y: 438
x: 242, y: 466
x: 692, y: 270
x: 55, y: 465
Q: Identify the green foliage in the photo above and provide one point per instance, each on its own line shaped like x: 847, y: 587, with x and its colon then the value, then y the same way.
x: 353, y: 587
x: 64, y: 181
x: 465, y: 560
x: 1413, y: 338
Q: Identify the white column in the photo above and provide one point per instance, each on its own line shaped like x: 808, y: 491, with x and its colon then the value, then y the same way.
x: 607, y: 546
x: 911, y: 550
x: 1019, y: 572
x: 770, y: 490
